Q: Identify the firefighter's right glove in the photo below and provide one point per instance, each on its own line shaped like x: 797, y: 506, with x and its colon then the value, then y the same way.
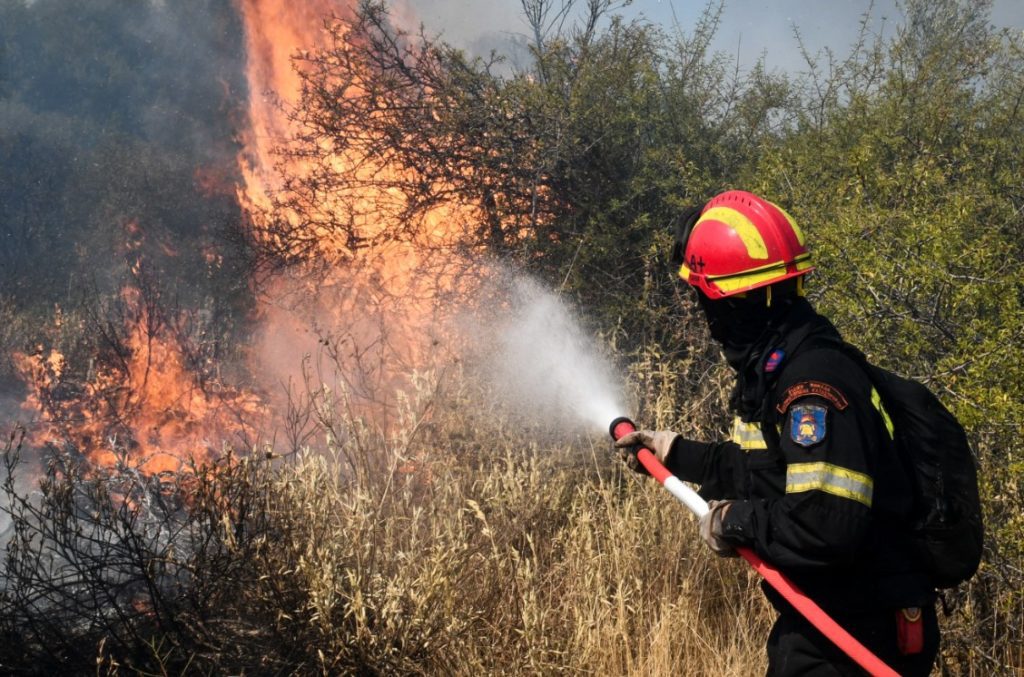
x: 660, y: 442
x: 711, y: 528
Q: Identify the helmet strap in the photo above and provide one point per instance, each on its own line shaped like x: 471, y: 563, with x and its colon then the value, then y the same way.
x: 769, y: 295
x: 800, y: 286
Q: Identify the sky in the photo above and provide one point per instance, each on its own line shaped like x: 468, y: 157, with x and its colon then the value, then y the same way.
x: 750, y: 28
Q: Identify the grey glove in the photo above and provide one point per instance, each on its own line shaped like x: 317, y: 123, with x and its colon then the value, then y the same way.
x: 711, y: 528
x: 659, y: 442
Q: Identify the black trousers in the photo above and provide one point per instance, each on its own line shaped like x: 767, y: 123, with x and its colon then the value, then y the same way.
x: 795, y: 647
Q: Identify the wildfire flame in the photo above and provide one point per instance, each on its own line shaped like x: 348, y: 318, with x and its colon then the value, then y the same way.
x: 376, y: 304
x: 142, y: 403
x: 275, y: 31
x: 380, y: 299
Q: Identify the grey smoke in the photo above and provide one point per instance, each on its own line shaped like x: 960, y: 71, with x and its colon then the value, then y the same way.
x: 108, y: 111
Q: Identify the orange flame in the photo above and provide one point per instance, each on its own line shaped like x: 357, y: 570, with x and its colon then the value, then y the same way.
x: 380, y: 299
x: 275, y: 31
x: 373, y: 314
x: 146, y: 406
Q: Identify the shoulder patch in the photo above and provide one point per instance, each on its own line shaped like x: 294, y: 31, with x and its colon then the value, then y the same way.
x: 812, y: 389
x: 807, y: 424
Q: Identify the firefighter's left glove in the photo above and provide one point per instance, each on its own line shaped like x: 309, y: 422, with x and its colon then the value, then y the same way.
x: 711, y: 528
x: 660, y: 442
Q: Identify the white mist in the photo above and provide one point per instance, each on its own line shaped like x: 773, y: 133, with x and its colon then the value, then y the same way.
x: 545, y: 366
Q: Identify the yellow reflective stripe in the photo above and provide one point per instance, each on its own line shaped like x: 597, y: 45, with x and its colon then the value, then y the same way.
x: 745, y: 229
x: 876, y: 400
x: 727, y: 283
x: 747, y: 435
x: 831, y: 479
x: 792, y: 224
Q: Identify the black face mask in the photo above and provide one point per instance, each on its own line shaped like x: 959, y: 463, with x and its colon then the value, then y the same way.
x: 738, y: 324
x: 748, y: 329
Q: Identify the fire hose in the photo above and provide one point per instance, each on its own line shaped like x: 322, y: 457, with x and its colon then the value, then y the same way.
x: 622, y: 426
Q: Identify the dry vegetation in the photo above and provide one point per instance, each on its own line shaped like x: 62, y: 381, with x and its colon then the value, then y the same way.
x: 463, y: 542
x: 454, y: 546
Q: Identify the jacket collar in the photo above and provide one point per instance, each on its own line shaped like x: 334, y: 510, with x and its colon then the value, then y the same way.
x: 782, y: 340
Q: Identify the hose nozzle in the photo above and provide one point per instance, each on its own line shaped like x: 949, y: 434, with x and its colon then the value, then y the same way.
x: 621, y: 427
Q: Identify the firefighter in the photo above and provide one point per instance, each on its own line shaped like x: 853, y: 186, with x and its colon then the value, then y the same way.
x: 810, y: 478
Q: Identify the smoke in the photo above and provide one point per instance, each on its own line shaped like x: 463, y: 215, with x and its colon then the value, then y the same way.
x: 342, y: 336
x: 540, y: 361
x: 19, y: 475
x: 451, y: 20
x: 112, y: 113
x: 118, y: 161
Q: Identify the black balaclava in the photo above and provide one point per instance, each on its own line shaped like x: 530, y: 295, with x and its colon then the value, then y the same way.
x: 749, y: 327
x: 738, y: 323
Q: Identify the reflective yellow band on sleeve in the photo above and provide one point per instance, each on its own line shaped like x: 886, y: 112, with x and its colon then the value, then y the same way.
x: 747, y: 435
x: 831, y: 479
x: 876, y: 400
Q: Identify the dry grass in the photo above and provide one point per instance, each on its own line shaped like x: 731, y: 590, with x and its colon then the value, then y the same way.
x: 452, y: 546
x: 460, y: 543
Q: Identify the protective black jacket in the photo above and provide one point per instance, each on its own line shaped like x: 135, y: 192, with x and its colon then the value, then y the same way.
x: 822, y: 492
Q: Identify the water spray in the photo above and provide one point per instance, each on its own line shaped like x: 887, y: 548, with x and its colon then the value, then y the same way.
x: 622, y: 426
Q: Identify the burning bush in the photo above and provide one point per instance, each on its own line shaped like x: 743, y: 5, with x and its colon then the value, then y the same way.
x: 149, y: 389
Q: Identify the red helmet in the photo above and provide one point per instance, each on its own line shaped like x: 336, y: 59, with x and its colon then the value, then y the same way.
x: 742, y: 242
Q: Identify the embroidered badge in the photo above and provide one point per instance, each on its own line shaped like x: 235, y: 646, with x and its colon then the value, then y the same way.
x: 774, y: 360
x: 812, y: 389
x: 807, y: 424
